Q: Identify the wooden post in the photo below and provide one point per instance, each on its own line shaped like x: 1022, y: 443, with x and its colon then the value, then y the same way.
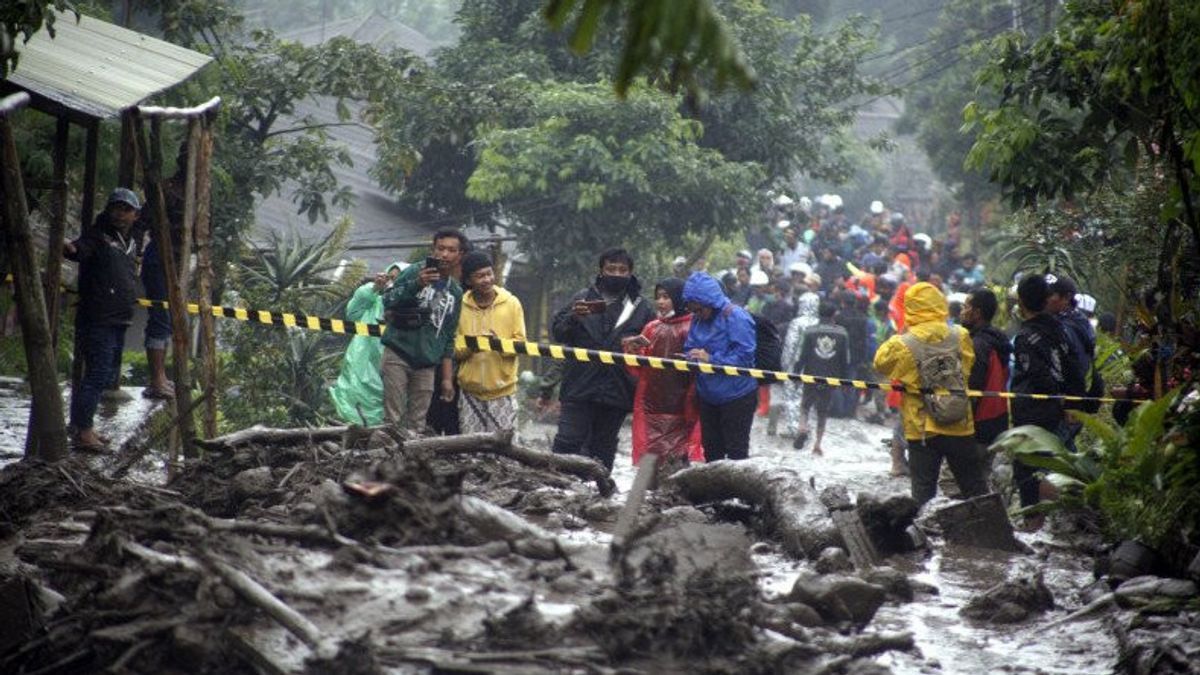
x: 47, y: 438
x: 87, y: 209
x: 127, y: 160
x: 150, y: 157
x: 58, y: 228
x: 204, y: 281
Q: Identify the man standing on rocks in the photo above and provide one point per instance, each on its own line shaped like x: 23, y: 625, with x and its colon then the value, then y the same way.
x: 596, y: 397
x: 422, y: 308
x: 106, y: 254
x: 932, y: 354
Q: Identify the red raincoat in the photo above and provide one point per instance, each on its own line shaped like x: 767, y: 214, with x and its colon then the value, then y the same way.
x: 666, y: 416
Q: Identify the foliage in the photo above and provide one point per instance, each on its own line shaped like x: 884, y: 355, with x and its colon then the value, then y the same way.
x: 671, y: 41
x: 1143, y: 478
x: 1109, y: 96
x: 287, y: 267
x: 19, y: 20
x: 613, y: 173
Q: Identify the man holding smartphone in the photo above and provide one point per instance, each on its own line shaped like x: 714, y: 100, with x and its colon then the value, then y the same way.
x: 596, y: 397
x: 422, y: 309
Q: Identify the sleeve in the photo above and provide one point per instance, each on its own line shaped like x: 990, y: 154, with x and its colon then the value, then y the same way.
x: 361, y: 302
x: 563, y: 326
x: 739, y: 348
x: 517, y: 331
x: 801, y: 352
x: 85, y: 248
x: 887, y: 358
x: 791, y: 346
x: 448, y: 336
x: 404, y: 289
x: 978, y: 374
x: 967, y: 346
x: 460, y: 353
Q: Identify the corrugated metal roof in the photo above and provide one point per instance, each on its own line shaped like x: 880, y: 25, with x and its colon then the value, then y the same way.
x: 99, y: 69
x: 372, y: 28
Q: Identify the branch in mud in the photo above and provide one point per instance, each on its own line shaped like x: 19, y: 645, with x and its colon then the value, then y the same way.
x: 493, y: 522
x: 501, y: 443
x: 791, y: 511
x: 260, y: 435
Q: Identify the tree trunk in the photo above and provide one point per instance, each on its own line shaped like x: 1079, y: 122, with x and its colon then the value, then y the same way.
x: 47, y: 438
x: 204, y: 270
x: 791, y: 512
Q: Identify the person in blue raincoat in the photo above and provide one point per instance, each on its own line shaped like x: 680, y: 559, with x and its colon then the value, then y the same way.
x: 358, y: 393
x: 721, y: 333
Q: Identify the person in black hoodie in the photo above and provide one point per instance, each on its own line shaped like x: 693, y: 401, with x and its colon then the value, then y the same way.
x: 993, y: 351
x: 596, y: 397
x: 106, y: 254
x: 1042, y: 365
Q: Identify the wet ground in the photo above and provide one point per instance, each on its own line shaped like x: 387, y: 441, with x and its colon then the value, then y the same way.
x: 855, y: 456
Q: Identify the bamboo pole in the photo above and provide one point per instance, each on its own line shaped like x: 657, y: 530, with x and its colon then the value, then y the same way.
x: 47, y: 438
x: 184, y: 271
x: 204, y: 271
x: 150, y: 157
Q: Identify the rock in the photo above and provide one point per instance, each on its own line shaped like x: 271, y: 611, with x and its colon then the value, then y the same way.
x: 887, y: 521
x: 252, y: 483
x: 981, y: 522
x: 417, y: 594
x: 698, y: 547
x: 832, y: 560
x: 554, y: 521
x: 1140, y: 590
x: 1011, y: 601
x: 892, y: 580
x: 573, y: 522
x: 839, y: 598
x: 1134, y: 559
x: 1193, y: 569
x: 804, y: 615
x: 761, y: 548
x: 601, y: 510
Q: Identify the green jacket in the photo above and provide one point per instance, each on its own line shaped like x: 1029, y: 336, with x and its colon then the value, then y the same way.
x: 440, y: 305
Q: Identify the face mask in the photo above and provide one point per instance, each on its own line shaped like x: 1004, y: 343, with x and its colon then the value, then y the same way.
x: 612, y: 285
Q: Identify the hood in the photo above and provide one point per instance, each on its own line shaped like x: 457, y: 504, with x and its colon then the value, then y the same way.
x: 924, y: 303
x: 703, y: 289
x: 397, y: 265
x: 996, y: 339
x: 674, y: 288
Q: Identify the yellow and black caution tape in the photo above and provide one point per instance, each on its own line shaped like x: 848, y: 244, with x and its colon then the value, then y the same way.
x: 567, y: 353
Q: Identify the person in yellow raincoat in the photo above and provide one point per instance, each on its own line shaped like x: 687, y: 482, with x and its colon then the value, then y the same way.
x: 358, y: 392
x: 926, y: 317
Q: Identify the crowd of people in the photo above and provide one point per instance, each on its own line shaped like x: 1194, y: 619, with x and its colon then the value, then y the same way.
x: 852, y: 301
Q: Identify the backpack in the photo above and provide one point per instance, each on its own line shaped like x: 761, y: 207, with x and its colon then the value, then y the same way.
x: 997, y: 377
x: 939, y: 366
x: 768, y: 346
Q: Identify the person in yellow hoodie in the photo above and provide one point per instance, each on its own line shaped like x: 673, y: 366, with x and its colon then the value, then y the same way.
x: 487, y: 380
x: 927, y: 330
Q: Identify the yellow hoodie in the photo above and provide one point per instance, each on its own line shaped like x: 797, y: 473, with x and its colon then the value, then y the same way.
x: 490, y: 375
x: 925, y: 315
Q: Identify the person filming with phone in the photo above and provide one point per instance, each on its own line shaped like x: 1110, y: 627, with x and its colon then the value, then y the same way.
x: 422, y: 309
x: 596, y: 397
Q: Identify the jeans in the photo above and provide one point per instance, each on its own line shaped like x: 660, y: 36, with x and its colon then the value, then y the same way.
x: 925, y: 465
x: 101, y: 348
x: 725, y: 428
x: 154, y: 280
x: 589, y: 429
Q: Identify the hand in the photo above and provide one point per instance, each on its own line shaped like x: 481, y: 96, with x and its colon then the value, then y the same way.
x: 381, y: 282
x: 447, y: 393
x: 580, y: 308
x: 429, y: 275
x: 698, y: 355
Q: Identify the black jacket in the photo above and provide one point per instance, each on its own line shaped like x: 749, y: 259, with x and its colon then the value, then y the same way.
x: 855, y: 323
x: 108, y: 284
x: 596, y: 382
x: 1043, y: 366
x: 987, y: 340
x: 824, y: 351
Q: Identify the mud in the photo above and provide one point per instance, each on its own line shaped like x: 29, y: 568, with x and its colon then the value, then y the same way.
x: 475, y: 563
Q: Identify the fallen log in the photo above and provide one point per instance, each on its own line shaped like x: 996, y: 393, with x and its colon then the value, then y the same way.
x: 791, y: 512
x: 254, y: 593
x: 500, y: 443
x: 261, y: 435
x: 493, y: 522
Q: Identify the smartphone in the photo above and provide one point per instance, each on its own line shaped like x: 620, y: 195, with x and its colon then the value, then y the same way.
x: 432, y: 263
x: 636, y: 341
x: 596, y: 306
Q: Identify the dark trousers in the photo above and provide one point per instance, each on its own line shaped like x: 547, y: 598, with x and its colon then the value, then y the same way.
x: 101, y: 349
x: 1028, y: 479
x: 589, y: 429
x: 725, y: 429
x: 925, y: 465
x: 154, y: 280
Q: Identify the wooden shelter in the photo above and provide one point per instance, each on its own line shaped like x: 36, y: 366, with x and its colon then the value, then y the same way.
x: 91, y: 71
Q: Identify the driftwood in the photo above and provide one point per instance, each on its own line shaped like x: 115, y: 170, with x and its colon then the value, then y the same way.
x: 493, y: 522
x: 254, y: 593
x: 633, y: 503
x: 501, y: 443
x: 261, y: 435
x: 790, y: 509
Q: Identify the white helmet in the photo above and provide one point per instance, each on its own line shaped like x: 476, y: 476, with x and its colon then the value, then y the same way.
x: 806, y: 204
x: 876, y: 207
x: 925, y: 240
x: 759, y: 278
x: 1085, y: 303
x: 782, y: 200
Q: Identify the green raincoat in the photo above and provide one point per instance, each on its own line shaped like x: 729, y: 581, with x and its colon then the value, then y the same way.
x: 359, y: 387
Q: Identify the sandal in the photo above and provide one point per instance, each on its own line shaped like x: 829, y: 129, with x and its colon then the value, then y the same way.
x: 89, y: 447
x: 157, y: 394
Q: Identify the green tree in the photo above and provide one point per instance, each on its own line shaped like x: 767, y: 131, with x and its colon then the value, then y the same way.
x: 609, y: 173
x: 20, y: 20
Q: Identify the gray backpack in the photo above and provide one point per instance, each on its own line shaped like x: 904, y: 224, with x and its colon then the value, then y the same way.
x: 939, y: 366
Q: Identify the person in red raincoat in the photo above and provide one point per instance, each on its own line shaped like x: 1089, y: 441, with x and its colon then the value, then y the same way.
x: 666, y: 417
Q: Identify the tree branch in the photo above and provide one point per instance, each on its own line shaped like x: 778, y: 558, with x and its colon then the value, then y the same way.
x: 308, y: 127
